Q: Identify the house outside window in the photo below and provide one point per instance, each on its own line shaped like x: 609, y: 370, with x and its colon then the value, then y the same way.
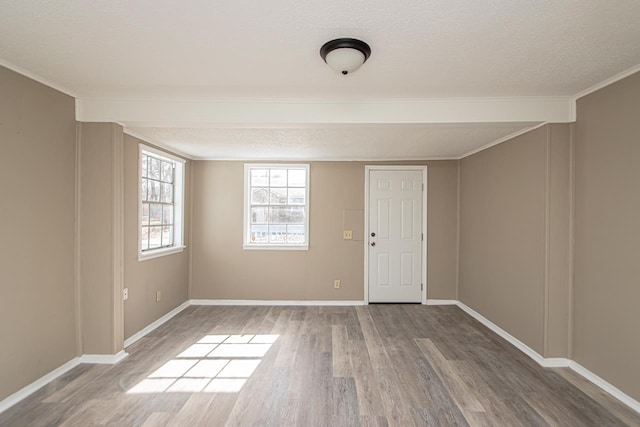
x: 276, y: 211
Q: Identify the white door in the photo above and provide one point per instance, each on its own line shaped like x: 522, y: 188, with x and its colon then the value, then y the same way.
x: 395, y: 235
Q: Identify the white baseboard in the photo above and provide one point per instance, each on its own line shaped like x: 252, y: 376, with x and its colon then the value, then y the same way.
x: 273, y: 302
x: 103, y: 359
x: 604, y: 385
x: 547, y: 363
x: 135, y: 337
x: 26, y: 391
x: 554, y: 362
x: 110, y: 359
x: 442, y: 302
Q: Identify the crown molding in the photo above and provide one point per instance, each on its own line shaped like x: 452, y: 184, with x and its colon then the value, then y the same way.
x: 611, y: 80
x: 501, y: 140
x: 37, y: 77
x: 157, y: 143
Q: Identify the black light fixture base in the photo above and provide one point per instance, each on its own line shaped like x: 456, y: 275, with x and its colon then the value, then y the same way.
x: 345, y: 43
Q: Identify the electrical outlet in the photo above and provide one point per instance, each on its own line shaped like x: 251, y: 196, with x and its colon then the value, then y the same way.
x: 158, y: 296
x: 125, y: 294
x: 347, y: 235
x: 336, y: 284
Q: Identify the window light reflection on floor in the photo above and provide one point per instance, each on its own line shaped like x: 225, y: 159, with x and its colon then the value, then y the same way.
x: 215, y: 364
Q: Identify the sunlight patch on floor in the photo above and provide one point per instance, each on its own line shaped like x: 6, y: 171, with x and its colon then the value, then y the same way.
x: 214, y: 364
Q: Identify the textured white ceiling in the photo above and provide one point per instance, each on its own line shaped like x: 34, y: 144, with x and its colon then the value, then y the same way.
x: 245, y: 50
x: 257, y: 48
x: 332, y: 142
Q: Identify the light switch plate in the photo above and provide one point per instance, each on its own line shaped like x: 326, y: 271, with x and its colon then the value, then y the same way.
x: 347, y: 235
x: 125, y: 294
x: 158, y: 296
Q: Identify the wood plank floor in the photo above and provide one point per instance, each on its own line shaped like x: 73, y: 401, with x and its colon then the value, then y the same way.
x: 378, y: 365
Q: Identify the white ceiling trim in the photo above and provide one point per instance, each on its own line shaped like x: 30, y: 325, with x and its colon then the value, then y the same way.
x: 607, y: 82
x: 177, y: 113
x: 501, y: 140
x: 307, y: 160
x: 37, y: 78
x: 155, y: 142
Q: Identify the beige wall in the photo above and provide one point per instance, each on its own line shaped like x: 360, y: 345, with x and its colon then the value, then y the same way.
x: 442, y: 229
x: 37, y: 314
x: 223, y: 270
x: 511, y: 197
x: 557, y: 301
x: 607, y: 234
x: 100, y: 251
x: 109, y: 245
x: 41, y: 315
x: 168, y: 274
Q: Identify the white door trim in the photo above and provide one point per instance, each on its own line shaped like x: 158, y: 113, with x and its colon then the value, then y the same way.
x: 367, y: 169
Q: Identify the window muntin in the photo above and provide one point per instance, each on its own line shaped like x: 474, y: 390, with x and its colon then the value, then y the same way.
x: 161, y: 189
x: 276, y: 206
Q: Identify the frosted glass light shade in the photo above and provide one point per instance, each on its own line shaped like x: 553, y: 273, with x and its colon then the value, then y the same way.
x: 345, y: 55
x: 345, y: 60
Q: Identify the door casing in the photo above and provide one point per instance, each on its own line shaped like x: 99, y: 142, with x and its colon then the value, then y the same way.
x: 367, y: 169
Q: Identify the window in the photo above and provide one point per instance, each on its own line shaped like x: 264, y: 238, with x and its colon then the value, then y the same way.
x: 276, y: 213
x: 161, y: 203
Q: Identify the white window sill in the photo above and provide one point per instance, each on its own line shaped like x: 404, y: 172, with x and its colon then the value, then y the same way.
x: 143, y: 256
x: 275, y: 247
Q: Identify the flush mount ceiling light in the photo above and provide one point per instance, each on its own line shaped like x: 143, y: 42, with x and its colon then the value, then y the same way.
x: 345, y: 56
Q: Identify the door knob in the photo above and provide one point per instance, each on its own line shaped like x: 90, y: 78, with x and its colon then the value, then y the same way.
x: 373, y: 243
x: 373, y: 234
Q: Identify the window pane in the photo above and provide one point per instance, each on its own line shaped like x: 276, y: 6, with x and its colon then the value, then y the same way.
x: 295, y: 233
x: 159, y: 201
x: 286, y: 215
x: 259, y: 196
x: 155, y: 214
x: 167, y: 193
x: 296, y: 196
x: 278, y: 196
x: 167, y: 214
x: 277, y: 204
x: 143, y: 189
x: 154, y: 237
x: 297, y: 215
x: 277, y: 233
x: 144, y: 237
x: 297, y: 178
x: 259, y: 215
x: 154, y: 168
x: 279, y: 215
x: 167, y: 172
x: 145, y: 214
x: 167, y: 236
x: 278, y: 178
x: 259, y: 177
x: 259, y: 234
x: 144, y: 161
x: 153, y: 189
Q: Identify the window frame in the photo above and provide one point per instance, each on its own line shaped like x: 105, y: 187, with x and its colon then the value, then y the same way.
x: 247, y: 207
x: 178, y: 203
